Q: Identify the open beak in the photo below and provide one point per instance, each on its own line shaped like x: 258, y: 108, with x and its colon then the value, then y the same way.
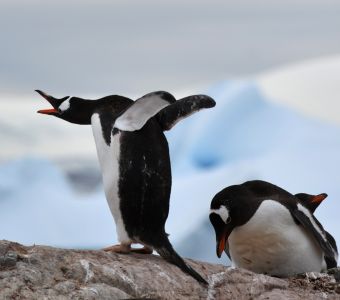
x: 53, y: 101
x: 319, y: 198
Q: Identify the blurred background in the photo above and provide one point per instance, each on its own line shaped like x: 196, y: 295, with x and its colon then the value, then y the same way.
x: 272, y: 66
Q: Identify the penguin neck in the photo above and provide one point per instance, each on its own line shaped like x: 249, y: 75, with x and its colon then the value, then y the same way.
x: 113, y: 105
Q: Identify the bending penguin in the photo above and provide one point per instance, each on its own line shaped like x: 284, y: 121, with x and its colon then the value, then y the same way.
x: 265, y: 229
x: 134, y: 158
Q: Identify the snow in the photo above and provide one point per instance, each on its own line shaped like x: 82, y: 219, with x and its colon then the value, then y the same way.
x: 310, y: 86
x: 246, y: 136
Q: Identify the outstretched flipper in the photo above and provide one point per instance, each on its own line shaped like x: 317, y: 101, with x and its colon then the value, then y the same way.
x: 136, y: 115
x: 170, y: 115
x: 312, y: 225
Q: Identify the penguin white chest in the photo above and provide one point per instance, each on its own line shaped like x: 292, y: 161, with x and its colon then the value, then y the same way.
x: 272, y: 243
x: 108, y: 156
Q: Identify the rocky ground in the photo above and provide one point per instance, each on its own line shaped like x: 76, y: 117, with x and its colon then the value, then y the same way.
x: 41, y: 272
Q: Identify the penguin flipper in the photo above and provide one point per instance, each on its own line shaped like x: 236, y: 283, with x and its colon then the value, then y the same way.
x: 144, y: 108
x: 169, y: 116
x: 332, y: 241
x: 312, y: 225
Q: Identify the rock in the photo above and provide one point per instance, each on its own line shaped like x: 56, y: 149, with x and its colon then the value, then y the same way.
x: 41, y: 272
x: 335, y: 272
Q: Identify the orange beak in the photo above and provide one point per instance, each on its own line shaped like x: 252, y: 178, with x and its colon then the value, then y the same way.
x: 53, y: 101
x: 319, y: 198
x: 221, y: 244
x: 47, y: 111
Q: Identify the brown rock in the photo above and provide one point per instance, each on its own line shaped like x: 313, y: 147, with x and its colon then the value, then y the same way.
x: 40, y: 272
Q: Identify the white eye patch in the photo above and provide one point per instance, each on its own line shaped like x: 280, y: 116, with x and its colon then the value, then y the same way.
x: 223, y: 212
x: 65, y: 105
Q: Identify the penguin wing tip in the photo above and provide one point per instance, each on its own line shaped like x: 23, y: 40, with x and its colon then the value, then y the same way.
x: 212, y: 102
x: 208, y: 101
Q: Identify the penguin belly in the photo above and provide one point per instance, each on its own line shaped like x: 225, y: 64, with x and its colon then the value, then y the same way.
x: 272, y: 243
x: 109, y: 156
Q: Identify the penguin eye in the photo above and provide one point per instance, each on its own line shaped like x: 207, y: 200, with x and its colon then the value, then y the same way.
x: 228, y: 220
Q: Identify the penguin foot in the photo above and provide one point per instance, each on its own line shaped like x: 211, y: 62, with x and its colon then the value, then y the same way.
x: 121, y: 248
x: 144, y: 250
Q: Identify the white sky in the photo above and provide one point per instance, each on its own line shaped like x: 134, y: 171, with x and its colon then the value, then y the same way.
x: 133, y: 47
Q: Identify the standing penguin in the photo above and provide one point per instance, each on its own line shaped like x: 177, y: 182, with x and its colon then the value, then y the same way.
x: 265, y: 229
x: 134, y: 158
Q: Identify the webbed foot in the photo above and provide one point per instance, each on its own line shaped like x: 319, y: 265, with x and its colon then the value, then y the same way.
x: 120, y: 248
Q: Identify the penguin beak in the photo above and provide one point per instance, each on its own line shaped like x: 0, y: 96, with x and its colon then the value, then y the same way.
x: 51, y: 111
x: 319, y: 198
x: 53, y: 101
x: 222, y: 231
x: 221, y: 243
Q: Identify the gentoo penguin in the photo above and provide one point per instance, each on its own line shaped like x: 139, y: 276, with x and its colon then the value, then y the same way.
x: 134, y: 158
x: 265, y: 229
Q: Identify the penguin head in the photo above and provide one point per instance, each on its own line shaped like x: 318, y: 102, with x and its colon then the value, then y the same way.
x: 71, y: 109
x: 222, y: 213
x: 220, y: 219
x: 229, y: 209
x: 311, y: 201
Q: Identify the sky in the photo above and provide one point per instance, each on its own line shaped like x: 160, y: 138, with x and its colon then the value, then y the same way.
x: 134, y: 47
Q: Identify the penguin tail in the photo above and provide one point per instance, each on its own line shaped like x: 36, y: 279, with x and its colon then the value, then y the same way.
x: 169, y: 254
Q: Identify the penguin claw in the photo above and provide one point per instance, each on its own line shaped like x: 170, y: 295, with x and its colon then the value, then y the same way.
x: 124, y: 249
x: 144, y: 250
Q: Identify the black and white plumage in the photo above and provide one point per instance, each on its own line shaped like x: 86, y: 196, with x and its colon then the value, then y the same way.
x: 267, y: 230
x: 134, y: 158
